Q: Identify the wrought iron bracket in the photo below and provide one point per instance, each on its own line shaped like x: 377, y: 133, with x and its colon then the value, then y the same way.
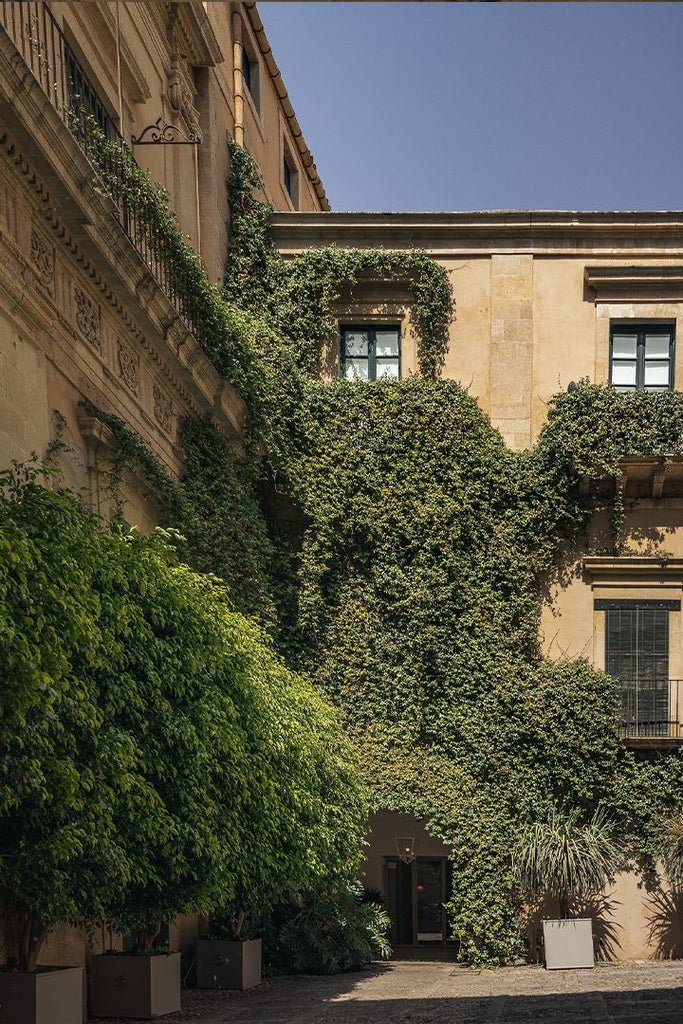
x: 161, y: 133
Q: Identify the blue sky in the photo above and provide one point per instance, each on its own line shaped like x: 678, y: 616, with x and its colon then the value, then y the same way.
x: 465, y: 106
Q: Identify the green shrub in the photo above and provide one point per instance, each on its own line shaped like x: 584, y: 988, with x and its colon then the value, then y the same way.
x: 330, y: 932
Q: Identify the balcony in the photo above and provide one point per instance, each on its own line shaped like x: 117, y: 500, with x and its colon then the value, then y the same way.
x: 38, y: 38
x: 651, y: 713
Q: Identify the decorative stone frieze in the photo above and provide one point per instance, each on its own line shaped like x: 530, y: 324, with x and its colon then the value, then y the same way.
x: 163, y: 408
x: 88, y: 318
x: 129, y: 367
x: 43, y: 260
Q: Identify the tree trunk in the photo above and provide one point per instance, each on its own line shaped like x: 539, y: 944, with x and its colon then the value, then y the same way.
x: 145, y: 938
x: 31, y: 939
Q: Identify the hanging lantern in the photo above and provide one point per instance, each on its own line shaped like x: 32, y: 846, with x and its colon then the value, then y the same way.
x: 405, y: 847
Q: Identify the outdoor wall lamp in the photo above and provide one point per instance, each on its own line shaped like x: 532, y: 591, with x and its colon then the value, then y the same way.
x: 405, y: 846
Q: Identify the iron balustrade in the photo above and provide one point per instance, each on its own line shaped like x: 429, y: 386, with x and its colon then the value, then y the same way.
x: 650, y: 709
x: 45, y: 50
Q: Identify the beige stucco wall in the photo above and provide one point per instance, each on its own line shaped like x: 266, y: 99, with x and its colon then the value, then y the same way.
x: 529, y: 317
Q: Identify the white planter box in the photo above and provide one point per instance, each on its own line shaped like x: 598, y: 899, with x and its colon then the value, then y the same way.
x: 46, y: 997
x: 568, y: 944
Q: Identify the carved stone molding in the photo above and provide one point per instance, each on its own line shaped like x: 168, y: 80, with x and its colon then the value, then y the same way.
x: 635, y: 283
x: 163, y: 408
x: 88, y: 318
x: 129, y: 367
x: 43, y: 260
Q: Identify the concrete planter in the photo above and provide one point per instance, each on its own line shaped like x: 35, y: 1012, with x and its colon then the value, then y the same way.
x: 568, y: 944
x: 52, y: 996
x: 134, y: 986
x: 225, y: 964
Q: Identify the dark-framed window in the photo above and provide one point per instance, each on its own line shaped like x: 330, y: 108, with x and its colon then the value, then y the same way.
x: 642, y: 356
x: 250, y: 75
x: 290, y: 176
x: 370, y: 351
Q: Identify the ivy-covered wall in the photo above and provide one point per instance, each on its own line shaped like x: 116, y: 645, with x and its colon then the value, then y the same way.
x: 398, y: 552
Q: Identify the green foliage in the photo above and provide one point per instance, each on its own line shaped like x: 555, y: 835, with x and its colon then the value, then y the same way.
x: 671, y: 846
x: 418, y: 552
x: 331, y: 932
x: 297, y: 296
x: 566, y: 857
x: 157, y: 757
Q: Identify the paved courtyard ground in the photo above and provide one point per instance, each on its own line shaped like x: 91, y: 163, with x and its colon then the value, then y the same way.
x: 441, y: 993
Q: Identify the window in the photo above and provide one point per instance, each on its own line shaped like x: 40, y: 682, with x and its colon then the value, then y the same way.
x: 637, y: 654
x: 250, y: 75
x: 641, y: 356
x: 370, y: 352
x: 290, y: 176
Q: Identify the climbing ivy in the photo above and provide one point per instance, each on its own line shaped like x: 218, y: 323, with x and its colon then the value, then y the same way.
x: 298, y: 296
x: 403, y: 554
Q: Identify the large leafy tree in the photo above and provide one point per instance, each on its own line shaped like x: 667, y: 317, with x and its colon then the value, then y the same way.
x: 157, y: 757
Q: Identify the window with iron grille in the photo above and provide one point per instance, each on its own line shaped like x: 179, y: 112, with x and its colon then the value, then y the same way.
x: 637, y: 655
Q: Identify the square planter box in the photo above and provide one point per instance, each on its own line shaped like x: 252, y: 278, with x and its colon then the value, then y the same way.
x: 568, y: 944
x: 46, y: 997
x: 134, y: 986
x: 224, y: 964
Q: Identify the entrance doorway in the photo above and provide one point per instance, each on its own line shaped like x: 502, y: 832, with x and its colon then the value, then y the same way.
x: 415, y: 894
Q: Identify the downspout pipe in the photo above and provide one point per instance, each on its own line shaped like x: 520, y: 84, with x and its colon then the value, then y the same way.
x: 237, y: 76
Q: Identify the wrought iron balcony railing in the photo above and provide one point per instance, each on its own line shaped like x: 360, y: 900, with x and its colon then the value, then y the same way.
x: 650, y: 709
x: 35, y: 33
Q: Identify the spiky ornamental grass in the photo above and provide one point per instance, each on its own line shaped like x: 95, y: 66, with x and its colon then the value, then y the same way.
x: 566, y: 858
x: 672, y: 849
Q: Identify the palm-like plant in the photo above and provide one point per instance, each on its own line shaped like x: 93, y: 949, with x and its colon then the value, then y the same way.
x: 672, y: 849
x: 564, y: 857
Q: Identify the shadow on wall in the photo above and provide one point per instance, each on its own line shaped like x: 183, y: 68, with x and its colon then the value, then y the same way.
x: 665, y: 923
x: 600, y: 909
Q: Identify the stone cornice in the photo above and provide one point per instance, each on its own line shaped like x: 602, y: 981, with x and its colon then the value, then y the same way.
x: 547, y: 232
x: 204, y: 49
x: 636, y: 283
x: 642, y: 568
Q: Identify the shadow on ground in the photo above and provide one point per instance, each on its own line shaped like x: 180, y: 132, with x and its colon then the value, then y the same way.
x: 450, y: 995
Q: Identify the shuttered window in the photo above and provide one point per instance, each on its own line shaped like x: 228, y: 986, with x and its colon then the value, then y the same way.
x: 637, y: 654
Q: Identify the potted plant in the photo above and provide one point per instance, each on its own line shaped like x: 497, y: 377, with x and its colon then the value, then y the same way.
x: 566, y: 859
x: 225, y: 957
x: 140, y: 981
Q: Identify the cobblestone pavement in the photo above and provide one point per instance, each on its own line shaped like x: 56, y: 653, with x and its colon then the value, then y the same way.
x: 442, y: 993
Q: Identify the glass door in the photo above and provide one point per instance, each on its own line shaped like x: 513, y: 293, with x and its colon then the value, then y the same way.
x: 414, y: 894
x: 430, y: 895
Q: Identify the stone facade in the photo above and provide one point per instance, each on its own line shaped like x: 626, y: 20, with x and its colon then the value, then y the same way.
x: 81, y: 315
x: 535, y: 296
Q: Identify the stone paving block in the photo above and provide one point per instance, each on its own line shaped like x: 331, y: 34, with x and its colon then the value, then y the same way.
x: 443, y: 993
